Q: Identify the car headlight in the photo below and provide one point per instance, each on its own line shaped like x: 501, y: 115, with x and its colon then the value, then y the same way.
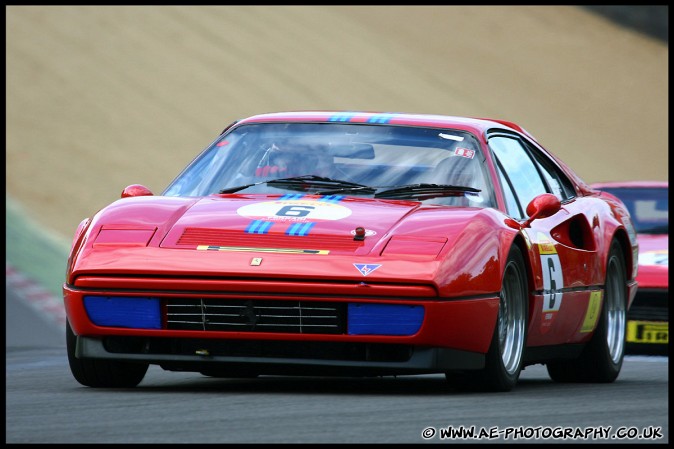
x: 418, y: 246
x: 123, y: 236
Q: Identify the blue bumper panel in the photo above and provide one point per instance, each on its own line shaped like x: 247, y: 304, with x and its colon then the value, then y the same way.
x: 131, y: 312
x: 384, y: 319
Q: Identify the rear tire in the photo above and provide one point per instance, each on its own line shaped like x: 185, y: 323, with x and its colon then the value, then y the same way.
x: 99, y: 373
x: 503, y: 362
x: 602, y: 358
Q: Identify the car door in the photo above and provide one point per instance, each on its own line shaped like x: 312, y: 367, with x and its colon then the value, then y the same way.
x: 566, y: 296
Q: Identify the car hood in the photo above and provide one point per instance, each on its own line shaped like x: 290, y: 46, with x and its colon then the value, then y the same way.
x: 171, y: 236
x: 309, y: 224
x: 292, y: 222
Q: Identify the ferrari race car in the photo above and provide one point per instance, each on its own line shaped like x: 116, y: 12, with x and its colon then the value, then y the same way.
x: 648, y: 318
x: 356, y: 244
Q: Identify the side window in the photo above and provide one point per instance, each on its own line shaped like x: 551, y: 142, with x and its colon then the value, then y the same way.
x: 519, y: 169
x: 512, y: 206
x: 557, y: 181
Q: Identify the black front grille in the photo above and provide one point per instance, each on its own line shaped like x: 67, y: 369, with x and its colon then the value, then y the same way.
x: 299, y: 317
x: 650, y: 305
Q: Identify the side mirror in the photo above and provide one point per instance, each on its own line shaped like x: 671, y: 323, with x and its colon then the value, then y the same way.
x: 136, y: 190
x: 542, y: 206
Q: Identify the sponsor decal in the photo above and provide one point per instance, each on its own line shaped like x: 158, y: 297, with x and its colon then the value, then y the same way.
x: 592, y: 313
x: 464, y: 152
x: 656, y: 332
x: 262, y: 250
x: 366, y: 268
x: 545, y: 245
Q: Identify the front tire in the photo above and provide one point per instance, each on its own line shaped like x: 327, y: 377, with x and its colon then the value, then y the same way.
x: 602, y: 358
x: 503, y: 362
x: 99, y: 373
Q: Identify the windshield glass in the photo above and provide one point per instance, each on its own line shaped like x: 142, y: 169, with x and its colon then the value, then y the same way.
x: 379, y: 156
x: 649, y: 207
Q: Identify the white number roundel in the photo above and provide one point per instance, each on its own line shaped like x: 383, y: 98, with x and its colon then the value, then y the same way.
x: 294, y: 210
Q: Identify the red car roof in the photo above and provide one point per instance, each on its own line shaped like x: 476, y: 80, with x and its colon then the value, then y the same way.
x: 476, y: 125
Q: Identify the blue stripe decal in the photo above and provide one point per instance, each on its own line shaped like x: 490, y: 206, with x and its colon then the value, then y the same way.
x: 292, y: 229
x: 264, y: 228
x: 341, y: 117
x: 252, y: 226
x: 332, y: 198
x: 259, y: 227
x: 300, y: 229
x: 381, y: 118
x: 306, y: 228
x: 292, y: 196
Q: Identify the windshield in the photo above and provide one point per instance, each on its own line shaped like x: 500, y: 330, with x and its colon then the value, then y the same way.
x: 649, y: 207
x: 356, y: 159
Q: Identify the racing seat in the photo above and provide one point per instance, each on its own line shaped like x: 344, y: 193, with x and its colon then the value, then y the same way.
x: 458, y: 171
x: 293, y: 161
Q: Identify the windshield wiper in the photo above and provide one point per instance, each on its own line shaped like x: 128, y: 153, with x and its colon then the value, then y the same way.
x: 243, y: 187
x: 424, y: 190
x: 304, y: 182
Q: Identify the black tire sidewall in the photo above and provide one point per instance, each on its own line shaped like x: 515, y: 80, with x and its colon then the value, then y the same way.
x: 495, y: 374
x: 597, y: 352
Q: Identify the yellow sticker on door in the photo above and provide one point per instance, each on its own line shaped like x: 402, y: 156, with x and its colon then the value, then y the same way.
x: 592, y: 313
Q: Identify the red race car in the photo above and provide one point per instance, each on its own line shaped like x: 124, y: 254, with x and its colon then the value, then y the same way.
x: 358, y: 244
x: 648, y: 318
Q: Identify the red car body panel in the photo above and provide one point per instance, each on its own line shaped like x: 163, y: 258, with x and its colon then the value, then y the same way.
x: 477, y: 260
x: 448, y: 260
x: 216, y: 223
